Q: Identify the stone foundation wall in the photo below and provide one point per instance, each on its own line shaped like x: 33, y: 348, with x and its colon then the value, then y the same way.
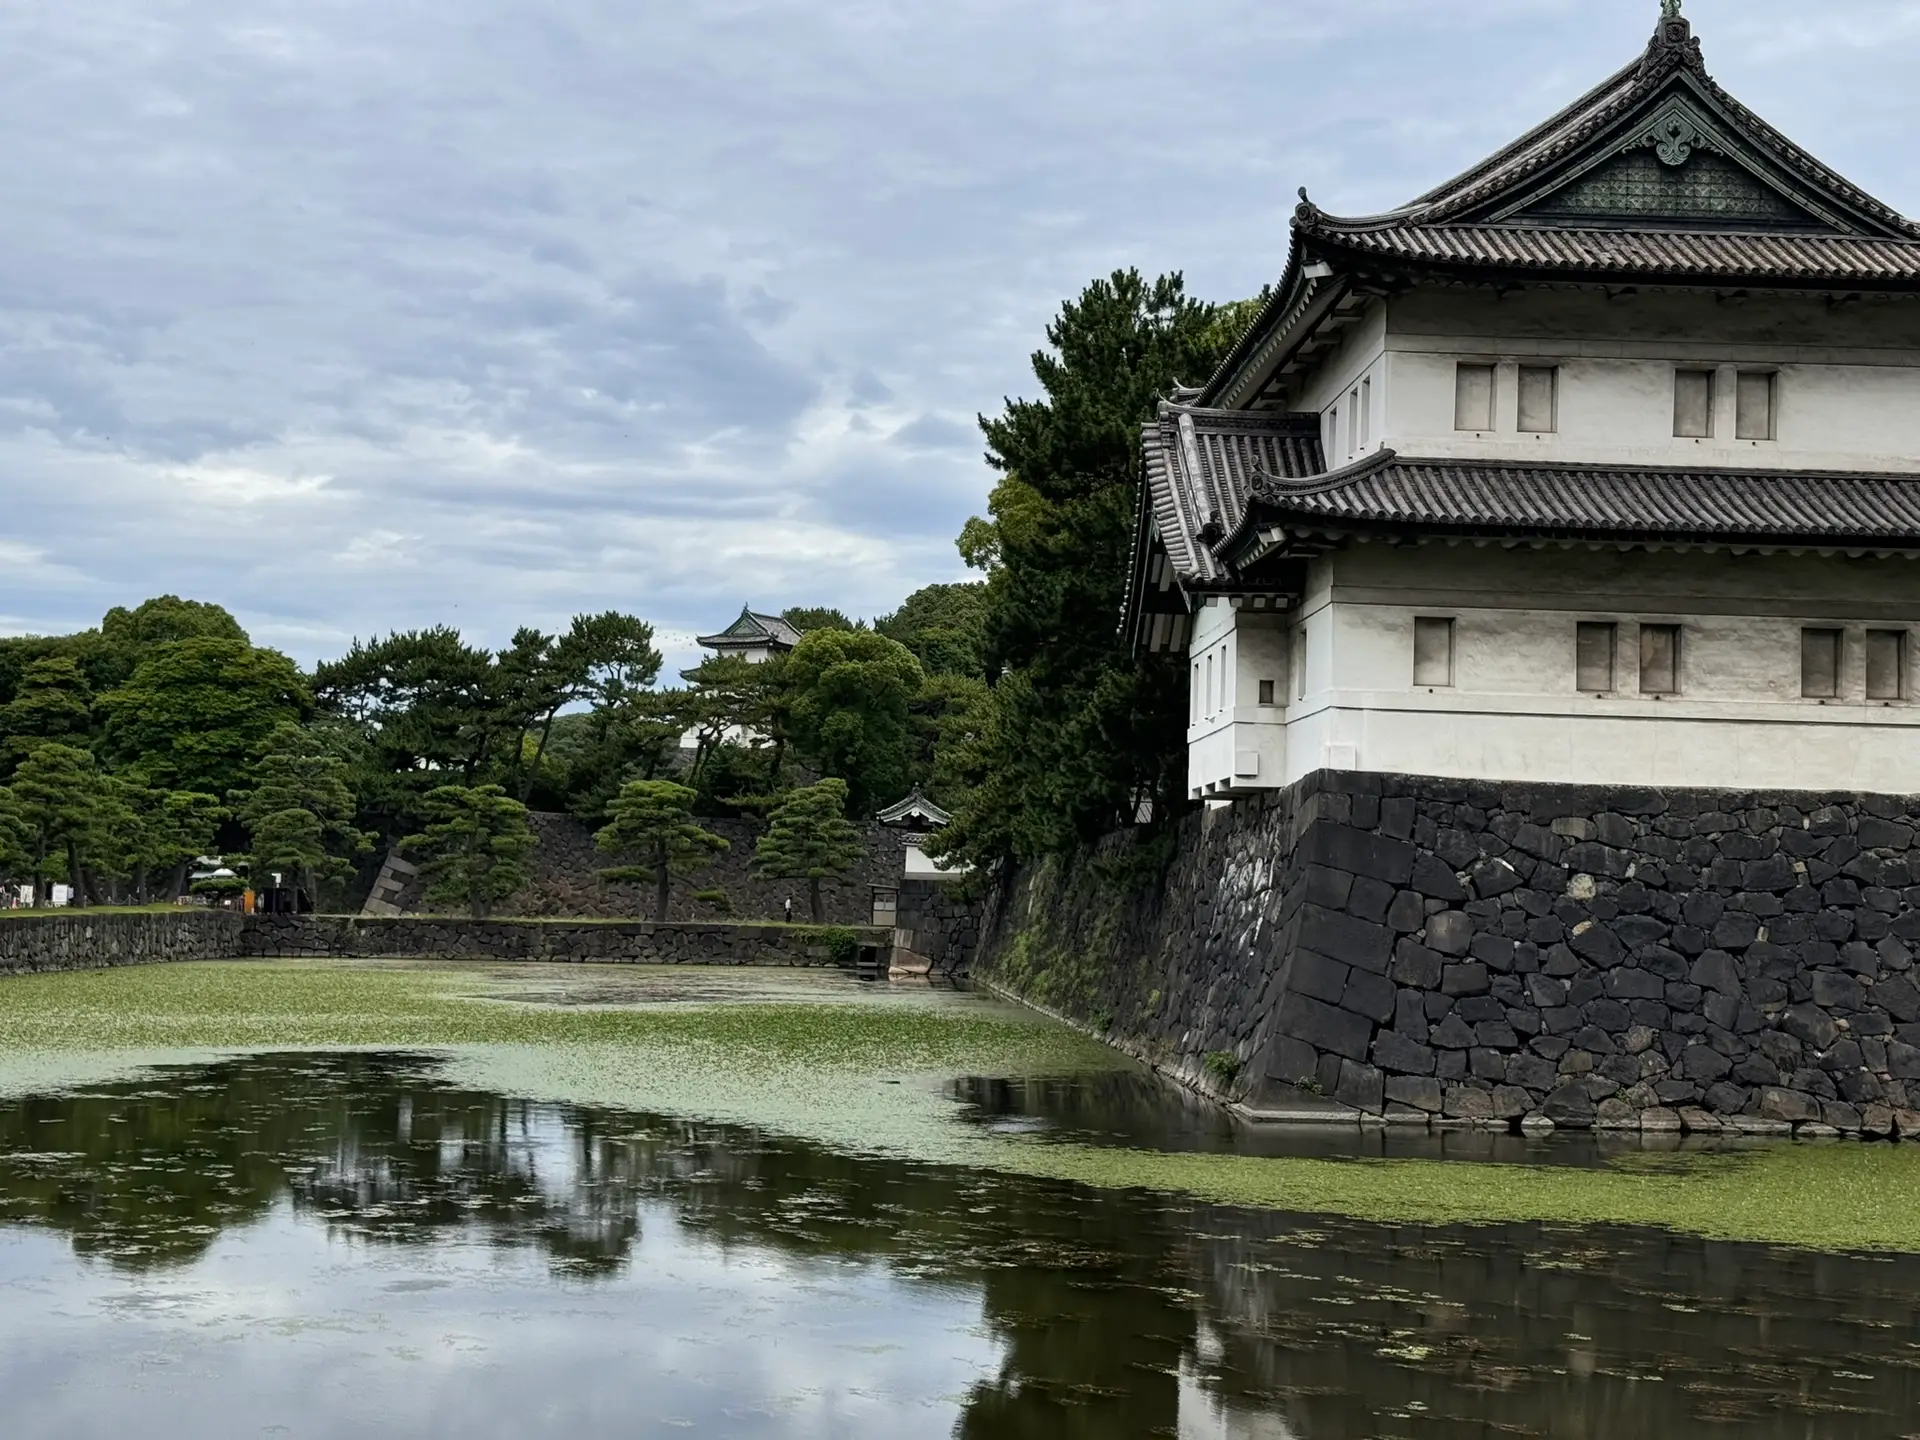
x: 937, y: 926
x: 99, y: 939
x: 564, y: 942
x: 1435, y: 952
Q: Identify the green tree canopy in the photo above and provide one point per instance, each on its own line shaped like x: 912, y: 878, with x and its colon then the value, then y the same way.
x: 816, y: 617
x: 65, y: 805
x: 52, y: 702
x: 474, y: 846
x: 653, y: 829
x: 850, y: 692
x: 943, y: 626
x: 195, y: 712
x: 164, y: 619
x: 299, y: 812
x: 1079, y: 732
x: 809, y: 837
x: 159, y: 835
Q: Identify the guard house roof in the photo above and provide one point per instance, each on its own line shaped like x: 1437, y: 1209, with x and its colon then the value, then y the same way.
x: 915, y: 807
x: 1655, y: 178
x: 753, y: 631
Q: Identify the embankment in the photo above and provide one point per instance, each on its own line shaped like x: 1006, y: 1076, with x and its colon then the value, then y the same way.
x: 97, y: 939
x: 1432, y: 952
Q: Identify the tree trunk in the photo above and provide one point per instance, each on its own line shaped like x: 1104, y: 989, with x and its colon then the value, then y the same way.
x: 815, y: 903
x: 76, y: 877
x: 539, y: 754
x: 177, y: 883
x: 662, y: 881
x: 139, y: 884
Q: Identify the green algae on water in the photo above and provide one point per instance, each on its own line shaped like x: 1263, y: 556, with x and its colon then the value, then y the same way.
x: 863, y: 1069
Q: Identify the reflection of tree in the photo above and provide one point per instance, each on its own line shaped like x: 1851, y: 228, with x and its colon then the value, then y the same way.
x: 1101, y: 1300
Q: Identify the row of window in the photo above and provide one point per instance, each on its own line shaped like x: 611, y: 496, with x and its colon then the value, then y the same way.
x: 1597, y: 655
x: 1756, y: 394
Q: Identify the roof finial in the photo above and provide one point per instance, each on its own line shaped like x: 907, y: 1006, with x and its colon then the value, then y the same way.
x: 1669, y: 9
x: 1673, y: 46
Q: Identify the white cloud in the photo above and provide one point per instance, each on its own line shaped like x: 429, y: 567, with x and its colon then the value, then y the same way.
x: 394, y: 312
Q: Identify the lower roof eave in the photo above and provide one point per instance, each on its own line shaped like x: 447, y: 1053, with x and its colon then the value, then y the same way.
x: 1282, y: 539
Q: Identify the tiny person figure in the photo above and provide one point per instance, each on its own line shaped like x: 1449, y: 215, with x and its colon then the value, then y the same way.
x: 788, y: 907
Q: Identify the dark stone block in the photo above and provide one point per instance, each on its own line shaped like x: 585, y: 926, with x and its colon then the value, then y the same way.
x: 1836, y: 991
x: 1561, y: 963
x: 1650, y: 1013
x: 1369, y: 899
x: 1468, y: 979
x: 1327, y: 888
x: 1899, y: 997
x: 1494, y: 877
x: 1570, y: 1107
x: 1340, y: 847
x: 1627, y: 983
x: 1845, y: 1055
x: 1595, y: 1040
x: 1496, y: 1035
x: 1546, y: 992
x: 1775, y: 874
x: 1434, y: 879
x: 1789, y: 1105
x: 1485, y: 1064
x: 1397, y: 816
x: 1407, y: 913
x: 1415, y: 965
x: 1598, y: 944
x: 1361, y: 1086
x: 1860, y: 958
x: 1677, y: 1092
x: 1756, y: 1070
x: 1903, y: 1060
x: 1875, y: 834
x: 1450, y: 932
x: 1410, y: 1015
x: 1397, y: 1053
x: 1369, y: 995
x: 1562, y: 1020
x: 1637, y: 930
x: 1476, y: 1009
x: 1344, y: 938
x: 1316, y: 975
x: 1608, y: 1015
x: 1293, y: 1062
x: 1810, y: 1025
x: 1452, y: 1033
x: 1735, y: 930
x: 1704, y: 1064
x: 1721, y: 1010
x: 1533, y: 1071
x: 1419, y: 1093
x: 1325, y: 1027
x: 1727, y: 1098
x: 1716, y: 971
x: 1493, y: 951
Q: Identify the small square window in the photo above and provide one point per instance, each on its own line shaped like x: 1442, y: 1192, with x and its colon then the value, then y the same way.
x: 1432, y: 652
x: 1659, y: 659
x: 1266, y: 692
x: 1886, y: 664
x: 1693, y: 404
x: 1539, y: 396
x: 1820, y: 663
x: 1473, y: 397
x: 1753, y: 406
x: 1595, y: 647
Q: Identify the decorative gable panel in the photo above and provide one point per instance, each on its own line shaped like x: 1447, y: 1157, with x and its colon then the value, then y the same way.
x: 1643, y: 187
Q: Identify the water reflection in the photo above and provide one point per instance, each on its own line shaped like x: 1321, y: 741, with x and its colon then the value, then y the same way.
x: 343, y: 1244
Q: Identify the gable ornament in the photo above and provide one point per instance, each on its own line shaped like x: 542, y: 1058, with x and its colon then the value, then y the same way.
x: 1674, y: 135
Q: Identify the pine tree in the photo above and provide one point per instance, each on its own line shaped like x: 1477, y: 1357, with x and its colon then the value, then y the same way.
x: 809, y: 838
x: 300, y: 812
x: 653, y: 824
x: 474, y: 847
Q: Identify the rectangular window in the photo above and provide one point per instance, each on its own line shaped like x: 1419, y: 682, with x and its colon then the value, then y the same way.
x: 1432, y: 652
x: 1594, y: 650
x: 1266, y: 692
x: 1193, y: 692
x: 1539, y: 395
x: 1820, y: 663
x: 1333, y: 431
x: 1753, y: 406
x: 1209, y: 710
x: 1886, y: 664
x: 1366, y: 413
x: 1353, y: 422
x: 1300, y: 664
x: 1473, y: 397
x: 1693, y: 403
x: 1659, y: 659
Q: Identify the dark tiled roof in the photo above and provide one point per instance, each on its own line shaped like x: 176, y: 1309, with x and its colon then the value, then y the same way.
x: 1200, y: 488
x: 1518, y: 498
x: 1718, y: 255
x: 750, y: 630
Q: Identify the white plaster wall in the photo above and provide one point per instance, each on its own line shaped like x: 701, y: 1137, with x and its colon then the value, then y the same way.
x: 1515, y: 711
x: 1848, y: 388
x: 1236, y: 743
x: 1359, y: 364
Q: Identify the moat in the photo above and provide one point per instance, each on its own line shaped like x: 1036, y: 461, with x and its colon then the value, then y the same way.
x: 431, y: 1201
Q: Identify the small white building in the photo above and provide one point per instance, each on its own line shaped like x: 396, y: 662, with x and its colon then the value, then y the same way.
x: 1599, y: 463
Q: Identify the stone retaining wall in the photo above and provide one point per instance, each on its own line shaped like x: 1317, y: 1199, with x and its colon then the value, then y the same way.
x: 559, y: 941
x: 98, y: 939
x: 1436, y: 952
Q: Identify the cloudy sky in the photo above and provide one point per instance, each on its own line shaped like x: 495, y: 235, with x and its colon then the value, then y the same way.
x: 359, y: 314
